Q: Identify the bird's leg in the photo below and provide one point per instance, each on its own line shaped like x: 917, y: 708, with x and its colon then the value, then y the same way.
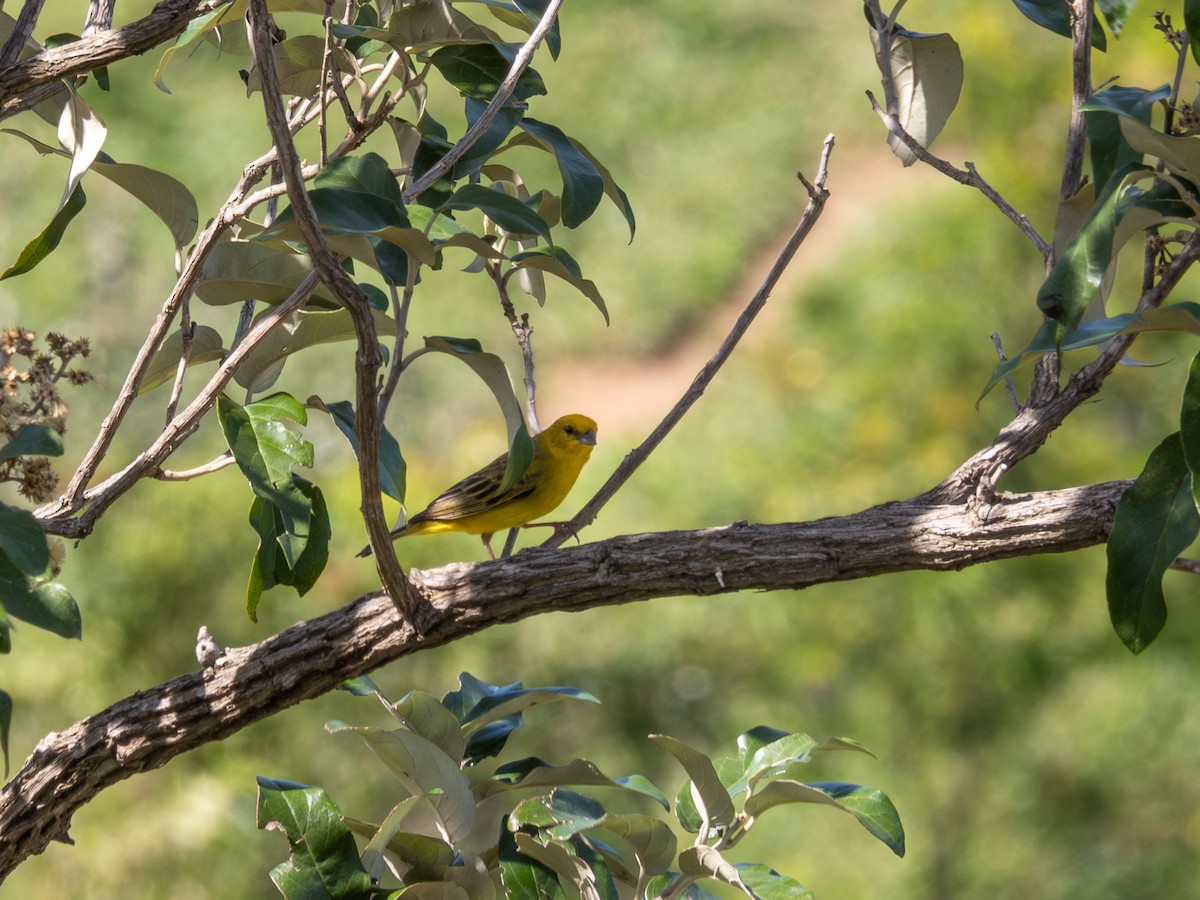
x: 487, y: 545
x: 559, y: 528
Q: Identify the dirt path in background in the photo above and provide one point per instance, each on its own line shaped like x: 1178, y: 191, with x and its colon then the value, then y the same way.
x: 633, y: 393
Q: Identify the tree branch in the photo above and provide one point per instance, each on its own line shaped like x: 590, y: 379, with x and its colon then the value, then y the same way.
x: 817, y: 195
x: 165, y: 21
x: 368, y: 358
x: 150, y: 728
x: 480, y: 126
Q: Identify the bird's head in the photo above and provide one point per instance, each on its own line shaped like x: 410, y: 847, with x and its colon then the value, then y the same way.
x: 571, y: 434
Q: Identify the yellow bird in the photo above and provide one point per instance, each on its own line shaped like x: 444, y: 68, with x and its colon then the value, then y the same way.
x: 474, y: 506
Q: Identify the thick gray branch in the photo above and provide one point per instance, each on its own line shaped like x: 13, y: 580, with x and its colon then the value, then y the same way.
x: 165, y: 21
x: 250, y: 683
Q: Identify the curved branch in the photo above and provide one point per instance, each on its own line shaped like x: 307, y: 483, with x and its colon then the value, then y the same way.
x: 328, y: 267
x: 145, y: 731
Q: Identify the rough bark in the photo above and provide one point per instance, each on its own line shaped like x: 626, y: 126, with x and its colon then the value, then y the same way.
x: 148, y: 729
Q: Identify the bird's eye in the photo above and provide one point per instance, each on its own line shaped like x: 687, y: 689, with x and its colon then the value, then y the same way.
x: 570, y: 429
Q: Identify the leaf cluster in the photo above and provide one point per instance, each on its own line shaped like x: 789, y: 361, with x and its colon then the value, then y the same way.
x: 459, y: 831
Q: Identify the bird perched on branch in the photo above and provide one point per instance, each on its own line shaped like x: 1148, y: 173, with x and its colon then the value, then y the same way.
x: 476, y: 506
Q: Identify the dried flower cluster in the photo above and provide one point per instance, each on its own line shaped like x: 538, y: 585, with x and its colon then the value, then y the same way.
x: 29, y: 395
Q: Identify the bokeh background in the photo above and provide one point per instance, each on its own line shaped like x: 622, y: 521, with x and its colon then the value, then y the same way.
x: 1028, y: 752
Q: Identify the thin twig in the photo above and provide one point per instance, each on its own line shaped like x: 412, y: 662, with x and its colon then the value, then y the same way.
x: 1081, y: 91
x: 1008, y: 382
x: 101, y: 497
x: 479, y: 128
x: 969, y: 176
x: 1183, y: 564
x: 817, y: 195
x: 187, y: 331
x: 224, y: 460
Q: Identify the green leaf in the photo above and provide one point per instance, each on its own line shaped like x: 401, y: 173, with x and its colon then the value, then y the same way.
x: 1179, y: 154
x: 426, y: 771
x: 611, y: 189
x: 324, y: 858
x: 298, y: 60
x: 1155, y: 521
x: 703, y: 861
x: 493, y: 371
x: 502, y: 125
x: 1115, y: 13
x: 712, y: 798
x: 1191, y: 23
x: 928, y: 73
x: 195, y: 29
x: 6, y: 708
x: 82, y: 133
x: 490, y: 713
x: 1055, y: 16
x: 778, y: 754
x: 534, y: 772
x: 33, y: 440
x: 293, y: 547
x: 425, y: 715
x: 1178, y: 317
x: 508, y: 212
x: 1077, y: 274
x: 477, y: 70
x: 301, y: 329
x: 46, y: 242
x: 871, y: 806
x: 22, y: 540
x: 366, y: 174
x: 1110, y: 151
x: 423, y: 25
x: 207, y: 346
x: 558, y: 262
x: 237, y: 271
x: 503, y: 701
x: 520, y: 456
x: 392, y: 468
x: 1189, y: 417
x: 525, y: 878
x: 166, y: 197
x: 582, y: 184
x: 767, y: 884
x: 660, y: 883
x: 43, y: 604
x: 270, y: 447
x: 649, y: 839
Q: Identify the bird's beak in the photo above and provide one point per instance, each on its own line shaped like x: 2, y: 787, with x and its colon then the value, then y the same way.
x: 588, y: 437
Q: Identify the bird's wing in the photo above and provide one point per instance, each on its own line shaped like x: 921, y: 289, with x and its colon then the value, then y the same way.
x: 476, y: 494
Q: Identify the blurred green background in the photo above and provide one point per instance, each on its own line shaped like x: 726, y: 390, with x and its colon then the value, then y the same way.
x: 1028, y: 753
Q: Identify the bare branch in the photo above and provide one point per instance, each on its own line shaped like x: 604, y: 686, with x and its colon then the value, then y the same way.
x: 99, y: 16
x: 22, y: 32
x: 368, y: 358
x: 165, y: 21
x: 1082, y: 17
x: 817, y: 195
x: 100, y: 498
x: 224, y: 460
x: 503, y: 93
x: 969, y: 176
x: 1022, y: 437
x: 152, y: 727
